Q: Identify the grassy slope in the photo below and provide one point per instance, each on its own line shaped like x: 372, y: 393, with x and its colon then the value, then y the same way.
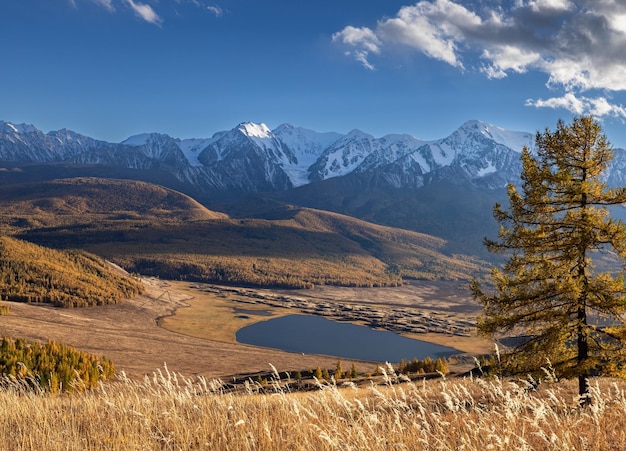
x: 166, y: 412
x: 153, y: 230
x: 85, y: 200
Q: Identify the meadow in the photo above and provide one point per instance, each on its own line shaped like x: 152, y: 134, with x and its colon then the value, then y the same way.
x: 166, y: 411
x: 197, y: 408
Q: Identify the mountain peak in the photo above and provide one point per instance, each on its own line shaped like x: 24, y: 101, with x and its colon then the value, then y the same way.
x: 140, y: 139
x: 512, y: 139
x: 284, y: 128
x: 356, y: 133
x: 254, y: 130
x: 8, y: 127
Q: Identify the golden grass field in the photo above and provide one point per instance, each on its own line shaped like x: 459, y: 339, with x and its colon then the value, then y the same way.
x: 185, y: 405
x: 169, y: 412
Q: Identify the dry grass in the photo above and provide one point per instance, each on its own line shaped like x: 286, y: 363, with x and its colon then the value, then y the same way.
x: 169, y: 412
x: 128, y: 334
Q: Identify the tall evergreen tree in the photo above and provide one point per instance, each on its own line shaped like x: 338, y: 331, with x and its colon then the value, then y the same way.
x: 550, y: 289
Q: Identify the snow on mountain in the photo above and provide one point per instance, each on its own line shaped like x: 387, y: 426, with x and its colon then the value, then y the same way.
x: 8, y: 127
x: 255, y: 130
x: 474, y: 151
x: 246, y: 137
x: 25, y: 142
x: 512, y: 139
x: 68, y: 143
x: 489, y: 169
x: 306, y: 146
x: 261, y: 135
x: 137, y: 140
x: 343, y: 156
x: 388, y: 149
x: 191, y: 148
x: 251, y: 157
x: 158, y: 147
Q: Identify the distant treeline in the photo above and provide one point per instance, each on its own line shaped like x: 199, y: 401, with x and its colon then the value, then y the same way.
x: 255, y: 272
x: 31, y: 273
x: 51, y: 366
x: 428, y: 365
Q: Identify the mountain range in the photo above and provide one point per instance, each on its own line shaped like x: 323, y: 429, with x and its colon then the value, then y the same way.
x: 252, y: 158
x: 443, y: 187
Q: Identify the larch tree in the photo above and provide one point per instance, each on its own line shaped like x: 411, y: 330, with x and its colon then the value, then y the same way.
x: 550, y: 291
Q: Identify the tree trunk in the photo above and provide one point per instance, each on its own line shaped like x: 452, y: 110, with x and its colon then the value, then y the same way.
x: 583, y: 356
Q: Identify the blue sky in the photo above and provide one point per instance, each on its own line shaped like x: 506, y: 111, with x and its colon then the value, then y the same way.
x: 190, y: 68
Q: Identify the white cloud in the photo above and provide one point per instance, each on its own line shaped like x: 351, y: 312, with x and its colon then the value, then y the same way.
x: 578, y: 45
x: 508, y: 58
x: 106, y: 4
x: 215, y: 10
x: 556, y: 5
x: 433, y: 28
x: 144, y: 11
x: 363, y: 41
x: 598, y: 106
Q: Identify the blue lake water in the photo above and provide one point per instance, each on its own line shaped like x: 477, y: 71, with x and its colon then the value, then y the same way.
x: 318, y: 335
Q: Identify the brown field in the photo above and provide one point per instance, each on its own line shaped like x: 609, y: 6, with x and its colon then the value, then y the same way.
x: 200, y: 338
x: 128, y: 334
x: 169, y: 412
x: 172, y: 409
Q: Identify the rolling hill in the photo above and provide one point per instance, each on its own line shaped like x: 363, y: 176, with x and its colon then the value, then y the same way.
x: 86, y: 200
x: 152, y: 230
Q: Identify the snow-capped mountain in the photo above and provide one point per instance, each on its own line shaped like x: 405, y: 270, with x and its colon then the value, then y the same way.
x: 26, y: 143
x: 473, y: 152
x: 306, y: 146
x: 253, y: 158
x: 159, y: 147
x: 344, y: 155
x: 248, y: 158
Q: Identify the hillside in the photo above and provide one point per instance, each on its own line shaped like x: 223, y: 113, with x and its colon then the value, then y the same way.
x: 86, y: 200
x: 150, y: 230
x: 31, y: 273
x: 457, y: 213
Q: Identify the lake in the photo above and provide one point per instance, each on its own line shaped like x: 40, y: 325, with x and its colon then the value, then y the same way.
x: 318, y: 335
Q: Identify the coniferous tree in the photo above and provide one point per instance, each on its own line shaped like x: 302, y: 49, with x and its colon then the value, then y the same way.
x: 353, y: 371
x: 550, y: 290
x: 338, y: 371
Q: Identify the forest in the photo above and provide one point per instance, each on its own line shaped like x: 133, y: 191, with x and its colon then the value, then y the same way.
x: 51, y: 366
x: 32, y: 273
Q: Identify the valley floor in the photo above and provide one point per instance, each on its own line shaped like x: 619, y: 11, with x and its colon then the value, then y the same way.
x: 130, y: 334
